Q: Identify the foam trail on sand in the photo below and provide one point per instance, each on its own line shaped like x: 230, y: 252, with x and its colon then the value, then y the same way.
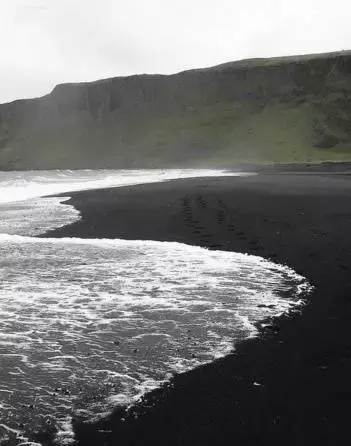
x: 111, y: 319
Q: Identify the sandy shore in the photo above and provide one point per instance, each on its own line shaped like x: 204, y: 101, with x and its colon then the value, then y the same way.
x: 302, y: 363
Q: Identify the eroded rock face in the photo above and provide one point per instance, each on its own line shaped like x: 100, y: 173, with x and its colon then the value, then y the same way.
x: 286, y: 109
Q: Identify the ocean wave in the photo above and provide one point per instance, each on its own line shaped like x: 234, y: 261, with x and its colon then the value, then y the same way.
x: 19, y: 186
x: 87, y: 324
x: 109, y: 319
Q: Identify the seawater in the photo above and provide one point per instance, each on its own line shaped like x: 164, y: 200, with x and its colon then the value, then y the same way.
x: 86, y: 325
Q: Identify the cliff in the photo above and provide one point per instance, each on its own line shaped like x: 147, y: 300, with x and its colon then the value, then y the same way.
x: 292, y: 109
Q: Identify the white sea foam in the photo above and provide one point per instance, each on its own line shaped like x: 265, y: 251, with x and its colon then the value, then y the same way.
x: 88, y: 324
x: 24, y: 211
x: 108, y: 319
x: 36, y: 216
x: 19, y: 186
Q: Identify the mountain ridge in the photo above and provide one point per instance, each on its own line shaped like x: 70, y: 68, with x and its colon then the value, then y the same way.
x: 287, y: 109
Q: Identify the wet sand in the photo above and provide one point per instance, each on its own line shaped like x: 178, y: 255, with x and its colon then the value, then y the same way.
x: 290, y: 386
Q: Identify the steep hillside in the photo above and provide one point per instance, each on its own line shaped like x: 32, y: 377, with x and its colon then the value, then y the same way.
x: 293, y: 109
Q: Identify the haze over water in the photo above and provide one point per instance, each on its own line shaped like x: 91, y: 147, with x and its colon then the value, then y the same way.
x: 88, y: 324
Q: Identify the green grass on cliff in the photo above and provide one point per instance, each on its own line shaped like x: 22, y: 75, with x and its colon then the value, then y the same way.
x: 213, y: 135
x: 283, y: 110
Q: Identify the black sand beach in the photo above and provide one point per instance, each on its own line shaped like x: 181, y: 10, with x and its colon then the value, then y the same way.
x: 290, y: 386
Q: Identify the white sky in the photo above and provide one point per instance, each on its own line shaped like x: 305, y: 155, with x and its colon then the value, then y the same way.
x: 46, y: 42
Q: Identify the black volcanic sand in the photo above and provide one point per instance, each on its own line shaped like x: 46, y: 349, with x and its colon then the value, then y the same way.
x: 302, y: 362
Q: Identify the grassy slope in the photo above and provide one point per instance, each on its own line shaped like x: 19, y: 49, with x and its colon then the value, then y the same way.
x: 269, y: 110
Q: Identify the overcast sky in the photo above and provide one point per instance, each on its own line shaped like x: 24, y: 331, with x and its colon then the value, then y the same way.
x: 46, y: 42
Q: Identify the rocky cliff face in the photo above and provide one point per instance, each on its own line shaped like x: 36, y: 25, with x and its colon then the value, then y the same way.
x: 285, y: 109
